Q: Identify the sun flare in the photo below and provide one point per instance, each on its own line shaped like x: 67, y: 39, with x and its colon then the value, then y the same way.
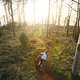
x: 41, y: 10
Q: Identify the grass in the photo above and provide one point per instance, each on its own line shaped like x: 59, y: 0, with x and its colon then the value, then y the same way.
x: 61, y: 57
x: 16, y: 59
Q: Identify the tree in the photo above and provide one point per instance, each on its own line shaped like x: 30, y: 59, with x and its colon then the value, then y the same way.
x: 34, y: 9
x: 10, y: 11
x: 76, y: 29
x: 60, y: 10
x: 68, y: 18
x: 76, y: 63
x: 56, y: 11
x: 5, y: 8
x: 48, y: 18
x: 12, y: 18
x: 23, y: 11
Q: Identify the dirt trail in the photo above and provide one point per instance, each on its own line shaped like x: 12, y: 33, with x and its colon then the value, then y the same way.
x: 46, y: 77
x: 48, y: 73
x: 52, y: 75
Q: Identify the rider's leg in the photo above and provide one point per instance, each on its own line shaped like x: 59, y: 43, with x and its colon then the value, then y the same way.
x: 40, y: 62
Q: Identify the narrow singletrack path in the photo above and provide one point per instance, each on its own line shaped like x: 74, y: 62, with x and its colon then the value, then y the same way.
x: 48, y: 73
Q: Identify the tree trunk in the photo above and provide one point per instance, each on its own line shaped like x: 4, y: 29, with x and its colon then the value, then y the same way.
x: 23, y: 12
x: 56, y: 12
x: 12, y: 18
x: 18, y: 12
x: 5, y: 8
x: 59, y: 13
x: 68, y: 20
x: 76, y: 63
x: 34, y: 10
x: 48, y: 19
x: 77, y: 24
x: 60, y: 10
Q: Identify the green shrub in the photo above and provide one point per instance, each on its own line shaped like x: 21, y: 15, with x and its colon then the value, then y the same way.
x: 24, y: 39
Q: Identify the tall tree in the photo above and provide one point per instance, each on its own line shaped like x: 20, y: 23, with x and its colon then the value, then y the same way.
x: 76, y: 63
x: 23, y: 11
x: 10, y: 11
x: 48, y: 19
x: 5, y: 8
x: 18, y: 11
x: 34, y: 11
x: 56, y: 11
x: 12, y: 17
x: 68, y: 18
x: 59, y: 7
x: 76, y: 29
x: 60, y: 11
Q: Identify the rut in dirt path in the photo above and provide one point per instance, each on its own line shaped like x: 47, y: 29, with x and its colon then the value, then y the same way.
x: 52, y: 75
x: 46, y: 77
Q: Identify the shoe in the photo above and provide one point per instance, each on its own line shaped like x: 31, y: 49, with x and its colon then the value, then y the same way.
x: 39, y: 63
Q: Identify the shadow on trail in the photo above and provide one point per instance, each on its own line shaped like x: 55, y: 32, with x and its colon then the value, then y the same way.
x: 48, y: 73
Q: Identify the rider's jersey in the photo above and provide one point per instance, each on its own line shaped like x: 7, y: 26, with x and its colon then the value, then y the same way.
x: 44, y: 56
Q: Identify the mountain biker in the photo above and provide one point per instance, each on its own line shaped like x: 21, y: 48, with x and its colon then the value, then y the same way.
x: 43, y: 57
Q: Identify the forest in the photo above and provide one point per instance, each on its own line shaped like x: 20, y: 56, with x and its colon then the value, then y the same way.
x: 39, y: 40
